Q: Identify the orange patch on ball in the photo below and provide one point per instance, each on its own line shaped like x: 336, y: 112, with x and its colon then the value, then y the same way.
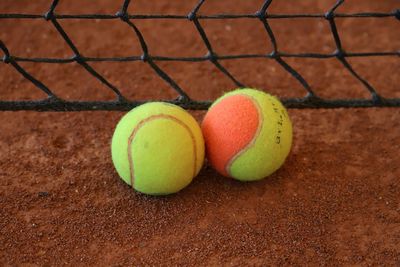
x: 248, y: 134
x: 238, y: 118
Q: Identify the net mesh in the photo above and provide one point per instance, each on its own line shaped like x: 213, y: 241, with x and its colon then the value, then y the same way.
x: 310, y: 100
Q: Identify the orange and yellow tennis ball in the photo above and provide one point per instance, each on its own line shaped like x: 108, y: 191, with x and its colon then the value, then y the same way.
x: 248, y: 134
x: 158, y: 148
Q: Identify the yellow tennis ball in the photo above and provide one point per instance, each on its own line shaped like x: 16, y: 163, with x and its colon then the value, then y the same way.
x: 248, y: 134
x: 157, y: 148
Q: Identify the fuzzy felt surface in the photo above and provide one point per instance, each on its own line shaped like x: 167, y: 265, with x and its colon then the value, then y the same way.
x: 157, y: 148
x: 228, y: 128
x: 248, y: 134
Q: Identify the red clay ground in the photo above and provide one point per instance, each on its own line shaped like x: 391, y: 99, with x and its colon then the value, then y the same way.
x: 335, y: 201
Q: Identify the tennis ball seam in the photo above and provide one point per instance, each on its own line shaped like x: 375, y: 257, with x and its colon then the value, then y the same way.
x: 141, y: 124
x: 253, y: 140
x: 237, y: 144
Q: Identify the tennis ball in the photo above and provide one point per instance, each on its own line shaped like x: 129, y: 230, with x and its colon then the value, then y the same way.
x: 157, y: 148
x: 248, y: 134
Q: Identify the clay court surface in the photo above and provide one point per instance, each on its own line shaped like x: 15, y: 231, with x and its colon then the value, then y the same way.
x: 335, y: 202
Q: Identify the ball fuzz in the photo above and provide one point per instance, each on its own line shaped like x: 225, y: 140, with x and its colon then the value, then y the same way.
x: 157, y: 148
x: 248, y: 134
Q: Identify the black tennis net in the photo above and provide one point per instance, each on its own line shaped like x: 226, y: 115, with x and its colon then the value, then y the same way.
x: 310, y: 100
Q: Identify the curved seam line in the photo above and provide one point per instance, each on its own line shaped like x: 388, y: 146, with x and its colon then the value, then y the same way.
x: 140, y: 125
x: 253, y: 140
